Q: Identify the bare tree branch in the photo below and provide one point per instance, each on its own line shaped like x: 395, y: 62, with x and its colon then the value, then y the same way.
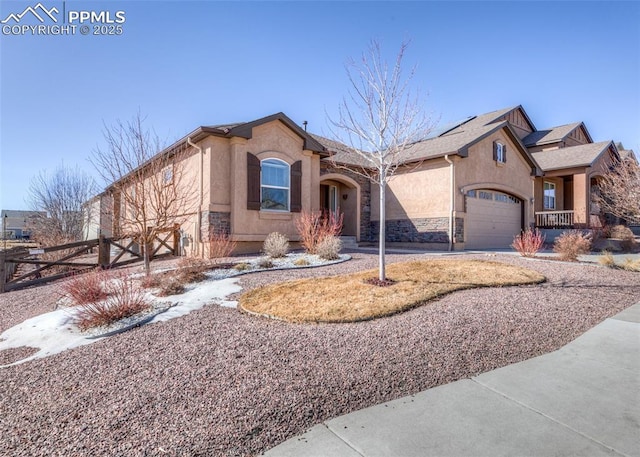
x: 150, y: 186
x: 619, y: 191
x: 378, y: 120
x: 62, y: 196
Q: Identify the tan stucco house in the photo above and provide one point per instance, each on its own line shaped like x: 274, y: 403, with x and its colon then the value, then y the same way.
x: 473, y: 184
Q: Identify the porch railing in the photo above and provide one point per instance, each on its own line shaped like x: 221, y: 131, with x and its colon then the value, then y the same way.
x: 554, y: 219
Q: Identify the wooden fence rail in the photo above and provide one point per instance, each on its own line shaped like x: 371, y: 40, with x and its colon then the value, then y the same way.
x: 42, y: 259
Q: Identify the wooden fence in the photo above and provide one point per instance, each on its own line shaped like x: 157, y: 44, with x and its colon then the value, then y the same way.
x: 79, y: 257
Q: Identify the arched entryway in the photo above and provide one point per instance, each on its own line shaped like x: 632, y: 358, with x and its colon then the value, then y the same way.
x: 341, y: 195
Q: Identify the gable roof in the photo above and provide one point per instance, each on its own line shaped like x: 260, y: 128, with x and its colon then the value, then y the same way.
x: 554, y: 134
x: 583, y: 155
x: 245, y: 130
x: 457, y: 142
x: 490, y: 118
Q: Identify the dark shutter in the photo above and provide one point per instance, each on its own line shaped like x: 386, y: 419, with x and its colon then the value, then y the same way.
x: 253, y: 182
x: 296, y: 187
x: 504, y: 153
x: 495, y: 151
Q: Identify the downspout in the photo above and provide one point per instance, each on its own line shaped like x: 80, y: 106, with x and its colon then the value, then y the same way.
x: 452, y: 201
x: 200, y: 198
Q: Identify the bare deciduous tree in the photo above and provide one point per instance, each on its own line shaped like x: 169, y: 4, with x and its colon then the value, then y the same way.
x: 619, y: 191
x: 61, y: 195
x: 149, y: 185
x: 378, y: 120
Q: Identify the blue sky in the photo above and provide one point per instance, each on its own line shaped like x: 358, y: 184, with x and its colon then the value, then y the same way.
x: 185, y: 64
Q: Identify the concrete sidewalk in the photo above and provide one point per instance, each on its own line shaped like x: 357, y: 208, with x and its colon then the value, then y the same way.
x: 582, y: 400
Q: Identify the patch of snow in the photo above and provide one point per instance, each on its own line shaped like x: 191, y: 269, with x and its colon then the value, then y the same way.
x: 56, y: 332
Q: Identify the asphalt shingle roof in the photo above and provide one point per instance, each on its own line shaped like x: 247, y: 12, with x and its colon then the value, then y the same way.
x: 552, y: 135
x: 574, y: 156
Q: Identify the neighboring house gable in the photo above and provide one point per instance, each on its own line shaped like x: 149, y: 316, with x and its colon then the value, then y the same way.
x: 16, y: 223
x: 558, y: 137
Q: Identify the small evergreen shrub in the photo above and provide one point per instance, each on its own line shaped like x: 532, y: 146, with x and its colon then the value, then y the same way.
x: 571, y: 244
x: 329, y: 248
x: 276, y: 245
x: 528, y: 243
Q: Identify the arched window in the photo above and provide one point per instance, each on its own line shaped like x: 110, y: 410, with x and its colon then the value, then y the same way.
x: 274, y: 185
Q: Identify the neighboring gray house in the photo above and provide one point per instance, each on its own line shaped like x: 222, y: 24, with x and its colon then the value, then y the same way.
x: 15, y: 223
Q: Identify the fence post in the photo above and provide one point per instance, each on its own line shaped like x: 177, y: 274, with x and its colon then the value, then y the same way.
x: 3, y: 271
x: 176, y: 240
x: 104, y: 252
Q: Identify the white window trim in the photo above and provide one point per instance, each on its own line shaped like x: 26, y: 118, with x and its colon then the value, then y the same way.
x: 288, y: 188
x: 544, y: 197
x: 500, y: 152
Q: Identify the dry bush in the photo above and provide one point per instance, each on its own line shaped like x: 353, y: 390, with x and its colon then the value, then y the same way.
x: 265, y: 263
x: 314, y: 226
x: 301, y: 262
x: 329, y: 248
x: 243, y: 266
x: 624, y: 233
x: 84, y: 288
x: 630, y: 264
x: 173, y: 286
x: 606, y: 259
x: 276, y: 245
x: 528, y: 243
x: 221, y: 245
x: 124, y: 299
x: 191, y: 269
x: 572, y: 244
x: 151, y: 281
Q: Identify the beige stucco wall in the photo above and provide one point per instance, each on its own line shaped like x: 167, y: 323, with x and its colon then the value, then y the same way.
x: 271, y: 140
x: 415, y: 192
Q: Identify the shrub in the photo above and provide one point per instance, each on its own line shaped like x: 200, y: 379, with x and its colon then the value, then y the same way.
x: 276, y: 245
x: 220, y: 245
x: 572, y: 244
x: 265, y: 262
x: 313, y: 227
x: 301, y: 262
x: 624, y: 233
x: 124, y: 299
x: 528, y: 243
x: 630, y: 264
x: 171, y: 287
x: 191, y: 269
x: 606, y: 259
x: 150, y: 281
x: 621, y: 232
x: 243, y: 266
x: 329, y: 248
x: 85, y: 288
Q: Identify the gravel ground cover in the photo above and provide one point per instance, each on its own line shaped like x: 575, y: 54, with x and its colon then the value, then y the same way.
x: 217, y: 382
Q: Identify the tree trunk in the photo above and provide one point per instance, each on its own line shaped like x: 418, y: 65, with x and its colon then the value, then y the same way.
x: 382, y: 233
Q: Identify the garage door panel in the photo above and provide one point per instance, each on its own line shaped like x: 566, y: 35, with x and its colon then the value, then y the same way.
x: 491, y: 223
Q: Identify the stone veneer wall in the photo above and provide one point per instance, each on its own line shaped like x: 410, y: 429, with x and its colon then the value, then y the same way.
x: 419, y: 230
x: 215, y: 221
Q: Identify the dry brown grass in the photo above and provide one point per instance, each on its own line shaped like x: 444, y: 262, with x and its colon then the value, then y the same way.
x: 348, y: 298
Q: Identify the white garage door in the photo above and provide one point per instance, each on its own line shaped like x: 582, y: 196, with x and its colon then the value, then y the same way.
x: 493, y: 219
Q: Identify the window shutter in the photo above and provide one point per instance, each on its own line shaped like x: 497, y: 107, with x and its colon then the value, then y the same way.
x: 495, y: 151
x: 296, y: 187
x: 253, y: 182
x: 504, y: 153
